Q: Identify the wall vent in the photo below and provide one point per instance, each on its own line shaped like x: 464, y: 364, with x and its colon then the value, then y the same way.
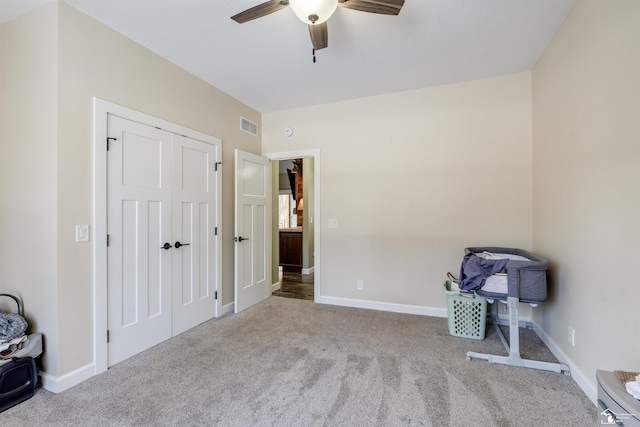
x: 248, y: 126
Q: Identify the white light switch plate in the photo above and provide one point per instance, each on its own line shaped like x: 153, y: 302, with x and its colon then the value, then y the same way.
x: 82, y: 233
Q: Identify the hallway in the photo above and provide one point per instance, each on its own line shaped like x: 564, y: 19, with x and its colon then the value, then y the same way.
x: 295, y: 285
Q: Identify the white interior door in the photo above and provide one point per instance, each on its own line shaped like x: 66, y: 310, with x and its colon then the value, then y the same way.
x: 194, y: 238
x: 252, y: 229
x: 163, y: 255
x: 139, y: 213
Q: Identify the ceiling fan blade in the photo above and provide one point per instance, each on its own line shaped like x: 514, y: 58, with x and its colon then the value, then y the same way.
x: 260, y: 10
x: 385, y: 7
x: 319, y: 35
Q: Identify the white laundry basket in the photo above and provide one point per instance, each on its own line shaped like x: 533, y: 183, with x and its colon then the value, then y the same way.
x: 467, y: 314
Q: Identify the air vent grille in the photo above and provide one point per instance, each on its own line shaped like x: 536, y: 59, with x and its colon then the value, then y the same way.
x: 248, y: 126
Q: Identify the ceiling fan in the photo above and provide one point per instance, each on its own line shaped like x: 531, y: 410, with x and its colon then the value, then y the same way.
x: 315, y: 13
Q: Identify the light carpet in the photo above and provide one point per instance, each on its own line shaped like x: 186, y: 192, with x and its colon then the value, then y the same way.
x: 287, y: 362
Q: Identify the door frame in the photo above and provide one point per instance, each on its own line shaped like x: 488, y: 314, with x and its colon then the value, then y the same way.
x: 315, y: 155
x: 101, y: 110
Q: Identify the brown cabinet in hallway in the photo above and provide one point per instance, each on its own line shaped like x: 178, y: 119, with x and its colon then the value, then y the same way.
x: 291, y: 250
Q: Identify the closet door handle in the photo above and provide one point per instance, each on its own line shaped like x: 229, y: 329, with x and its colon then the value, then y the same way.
x: 240, y: 239
x: 166, y: 246
x: 178, y: 244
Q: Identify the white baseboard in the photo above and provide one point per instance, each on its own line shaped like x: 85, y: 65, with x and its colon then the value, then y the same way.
x: 586, y: 383
x: 276, y: 286
x: 526, y: 319
x: 307, y: 271
x: 228, y: 308
x: 383, y: 306
x: 59, y: 384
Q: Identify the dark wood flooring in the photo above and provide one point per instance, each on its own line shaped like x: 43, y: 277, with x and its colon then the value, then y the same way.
x: 295, y: 285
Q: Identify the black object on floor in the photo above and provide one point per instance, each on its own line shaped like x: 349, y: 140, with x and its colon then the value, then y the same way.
x: 18, y: 371
x: 18, y: 378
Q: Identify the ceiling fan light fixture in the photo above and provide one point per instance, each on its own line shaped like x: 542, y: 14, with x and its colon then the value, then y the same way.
x: 313, y: 11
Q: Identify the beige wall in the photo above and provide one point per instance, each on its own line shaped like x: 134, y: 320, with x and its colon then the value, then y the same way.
x: 586, y: 139
x: 28, y: 169
x: 93, y: 60
x: 413, y: 178
x: 308, y: 171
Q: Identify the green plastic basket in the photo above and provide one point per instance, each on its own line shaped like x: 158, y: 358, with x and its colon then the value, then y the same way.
x: 467, y: 315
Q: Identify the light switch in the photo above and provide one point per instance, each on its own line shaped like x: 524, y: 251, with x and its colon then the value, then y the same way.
x: 82, y: 233
x: 333, y: 223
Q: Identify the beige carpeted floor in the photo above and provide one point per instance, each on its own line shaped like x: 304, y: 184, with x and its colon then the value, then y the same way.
x: 289, y: 362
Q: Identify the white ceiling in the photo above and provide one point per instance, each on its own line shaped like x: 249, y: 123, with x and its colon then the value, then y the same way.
x: 267, y: 63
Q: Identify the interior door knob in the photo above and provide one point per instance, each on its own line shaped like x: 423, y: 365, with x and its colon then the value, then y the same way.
x: 240, y: 239
x: 166, y: 246
x: 178, y: 244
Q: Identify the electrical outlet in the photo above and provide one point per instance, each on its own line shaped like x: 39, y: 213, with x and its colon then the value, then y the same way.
x: 360, y: 284
x: 572, y: 336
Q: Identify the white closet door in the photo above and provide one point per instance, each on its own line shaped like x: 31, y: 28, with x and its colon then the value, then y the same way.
x: 194, y: 252
x: 139, y: 212
x: 163, y: 255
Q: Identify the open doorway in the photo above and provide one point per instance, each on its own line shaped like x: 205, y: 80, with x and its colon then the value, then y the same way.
x: 294, y: 228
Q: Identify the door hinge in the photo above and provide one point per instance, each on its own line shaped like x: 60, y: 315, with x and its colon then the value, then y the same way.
x: 216, y: 165
x: 216, y: 295
x: 107, y: 240
x: 109, y: 140
x: 215, y: 231
x: 107, y: 335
